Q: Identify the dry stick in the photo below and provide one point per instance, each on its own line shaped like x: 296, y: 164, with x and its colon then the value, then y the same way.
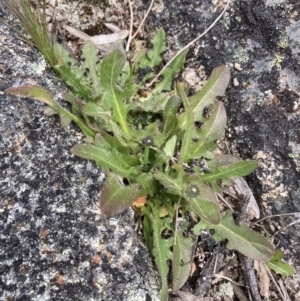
x: 143, y: 21
x: 176, y: 220
x: 225, y: 202
x: 131, y: 26
x: 189, y: 44
x: 275, y: 283
x: 276, y: 215
x: 289, y: 225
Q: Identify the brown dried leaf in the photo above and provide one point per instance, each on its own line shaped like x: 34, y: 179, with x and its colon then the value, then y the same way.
x: 242, y: 188
x: 264, y: 280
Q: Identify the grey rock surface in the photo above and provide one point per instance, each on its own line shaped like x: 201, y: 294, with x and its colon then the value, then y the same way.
x: 54, y: 242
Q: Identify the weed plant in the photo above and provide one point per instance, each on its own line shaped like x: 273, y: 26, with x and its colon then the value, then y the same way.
x: 156, y: 145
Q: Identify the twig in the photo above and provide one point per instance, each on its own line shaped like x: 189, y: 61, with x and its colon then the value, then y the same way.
x: 276, y: 215
x: 226, y: 278
x: 289, y: 225
x: 146, y: 15
x: 224, y: 201
x: 176, y: 219
x: 189, y: 44
x: 131, y: 26
x: 275, y: 283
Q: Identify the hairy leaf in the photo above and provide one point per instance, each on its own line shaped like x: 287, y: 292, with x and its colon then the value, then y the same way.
x: 45, y: 96
x: 110, y: 70
x: 182, y: 260
x: 153, y: 56
x: 241, y: 238
x: 215, y: 86
x: 237, y: 169
x: 119, y: 163
x: 210, y: 131
x: 115, y: 196
x: 34, y: 92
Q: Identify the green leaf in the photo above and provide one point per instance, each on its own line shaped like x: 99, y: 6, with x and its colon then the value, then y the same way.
x: 147, y: 231
x: 91, y: 66
x: 114, y: 96
x: 215, y: 86
x: 170, y: 126
x: 153, y: 56
x: 182, y: 260
x: 211, y: 130
x: 119, y: 163
x: 161, y: 248
x: 170, y: 73
x: 115, y: 196
x: 242, y: 239
x: 170, y: 145
x: 155, y: 102
x: 34, y: 92
x: 280, y: 267
x: 172, y: 105
x: 110, y: 142
x: 45, y: 96
x: 222, y: 160
x: 95, y: 110
x: 237, y: 169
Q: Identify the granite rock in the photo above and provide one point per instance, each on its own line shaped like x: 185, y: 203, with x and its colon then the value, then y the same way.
x: 54, y: 242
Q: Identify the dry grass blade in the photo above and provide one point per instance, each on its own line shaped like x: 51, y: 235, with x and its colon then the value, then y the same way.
x: 35, y: 24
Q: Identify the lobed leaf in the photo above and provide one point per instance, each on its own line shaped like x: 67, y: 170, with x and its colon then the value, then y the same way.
x: 115, y: 196
x: 241, y: 238
x: 63, y: 56
x: 237, y: 169
x: 153, y: 56
x: 72, y: 78
x: 170, y: 73
x: 211, y: 130
x: 91, y: 65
